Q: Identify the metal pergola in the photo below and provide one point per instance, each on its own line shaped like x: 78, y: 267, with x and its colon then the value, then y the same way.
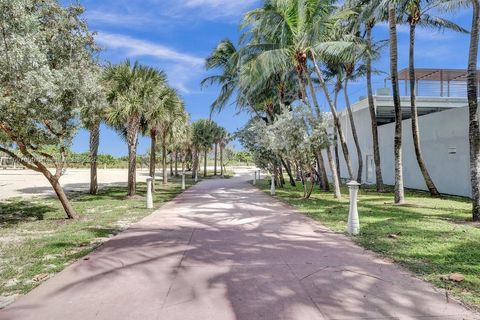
x: 438, y: 82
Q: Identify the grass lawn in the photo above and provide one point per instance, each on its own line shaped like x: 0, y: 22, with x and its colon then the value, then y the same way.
x: 432, y: 237
x: 36, y: 241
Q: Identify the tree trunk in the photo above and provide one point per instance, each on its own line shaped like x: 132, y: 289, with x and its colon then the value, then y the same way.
x: 322, y: 172
x: 354, y: 133
x: 205, y: 164
x: 415, y: 130
x: 132, y: 169
x: 176, y: 164
x: 399, y: 191
x: 194, y: 163
x: 153, y: 156
x: 336, y: 182
x: 373, y: 114
x: 289, y: 172
x: 335, y: 133
x: 472, y: 93
x: 280, y: 174
x: 336, y: 120
x: 171, y: 164
x: 94, y: 143
x: 335, y: 151
x: 164, y: 159
x: 215, y: 162
x: 67, y: 206
x: 133, y: 126
x: 221, y: 160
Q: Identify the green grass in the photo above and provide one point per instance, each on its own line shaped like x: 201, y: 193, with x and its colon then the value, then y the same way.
x: 435, y: 236
x: 36, y: 241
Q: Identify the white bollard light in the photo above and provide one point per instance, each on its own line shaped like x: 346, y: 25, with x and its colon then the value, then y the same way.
x: 149, y: 193
x: 255, y: 177
x: 272, y: 186
x: 353, y: 226
x: 183, y: 181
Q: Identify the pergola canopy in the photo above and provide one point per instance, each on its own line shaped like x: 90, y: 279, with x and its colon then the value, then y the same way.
x: 430, y: 74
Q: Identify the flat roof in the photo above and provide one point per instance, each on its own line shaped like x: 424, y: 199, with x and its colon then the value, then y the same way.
x: 432, y: 74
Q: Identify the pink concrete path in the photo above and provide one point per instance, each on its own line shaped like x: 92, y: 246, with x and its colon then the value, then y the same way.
x: 224, y: 250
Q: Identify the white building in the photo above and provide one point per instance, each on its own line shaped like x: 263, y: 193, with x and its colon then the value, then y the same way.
x: 443, y: 124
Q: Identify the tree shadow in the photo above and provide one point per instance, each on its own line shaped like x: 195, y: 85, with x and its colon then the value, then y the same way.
x: 225, y: 250
x: 15, y: 211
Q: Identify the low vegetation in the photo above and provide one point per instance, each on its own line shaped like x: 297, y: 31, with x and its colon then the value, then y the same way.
x: 431, y: 237
x: 36, y: 241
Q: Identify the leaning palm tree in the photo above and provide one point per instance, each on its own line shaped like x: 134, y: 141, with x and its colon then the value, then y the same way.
x: 417, y: 13
x: 130, y: 91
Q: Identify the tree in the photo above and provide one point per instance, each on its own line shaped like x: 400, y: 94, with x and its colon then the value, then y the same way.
x: 92, y: 116
x: 417, y: 14
x: 392, y: 24
x: 203, y: 131
x: 131, y: 92
x: 46, y: 75
x: 219, y: 137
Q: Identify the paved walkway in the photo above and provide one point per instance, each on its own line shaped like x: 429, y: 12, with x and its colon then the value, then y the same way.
x: 224, y: 250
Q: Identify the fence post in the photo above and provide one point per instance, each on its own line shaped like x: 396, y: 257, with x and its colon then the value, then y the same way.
x: 149, y: 193
x: 353, y: 226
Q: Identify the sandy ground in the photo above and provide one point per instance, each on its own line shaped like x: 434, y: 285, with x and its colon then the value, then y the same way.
x: 28, y: 183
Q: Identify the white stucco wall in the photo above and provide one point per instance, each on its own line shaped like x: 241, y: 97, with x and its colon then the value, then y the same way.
x: 439, y: 131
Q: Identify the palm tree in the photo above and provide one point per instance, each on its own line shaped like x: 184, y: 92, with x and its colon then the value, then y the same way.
x: 283, y: 36
x: 168, y: 118
x: 220, y: 135
x: 130, y: 91
x: 392, y: 24
x: 203, y: 131
x: 417, y: 14
x: 92, y: 115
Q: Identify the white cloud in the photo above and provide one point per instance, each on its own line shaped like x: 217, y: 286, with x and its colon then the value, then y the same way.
x: 136, y: 47
x: 221, y: 8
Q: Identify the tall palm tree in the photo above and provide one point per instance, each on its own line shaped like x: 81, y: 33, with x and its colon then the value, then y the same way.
x: 130, y: 91
x: 416, y: 13
x: 203, y: 131
x: 392, y: 24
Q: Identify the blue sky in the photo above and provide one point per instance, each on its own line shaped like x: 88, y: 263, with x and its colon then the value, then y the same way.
x: 176, y: 36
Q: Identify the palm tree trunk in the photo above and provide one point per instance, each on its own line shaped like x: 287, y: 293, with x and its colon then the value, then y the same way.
x: 94, y: 143
x: 221, y: 159
x: 176, y: 164
x: 399, y: 191
x: 164, y: 159
x: 336, y: 120
x: 373, y: 114
x: 133, y: 127
x: 171, y: 164
x: 335, y: 136
x: 215, y: 163
x: 153, y: 156
x: 472, y: 93
x: 336, y: 182
x: 415, y: 131
x: 132, y: 169
x: 205, y: 164
x: 354, y: 132
x: 322, y: 172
